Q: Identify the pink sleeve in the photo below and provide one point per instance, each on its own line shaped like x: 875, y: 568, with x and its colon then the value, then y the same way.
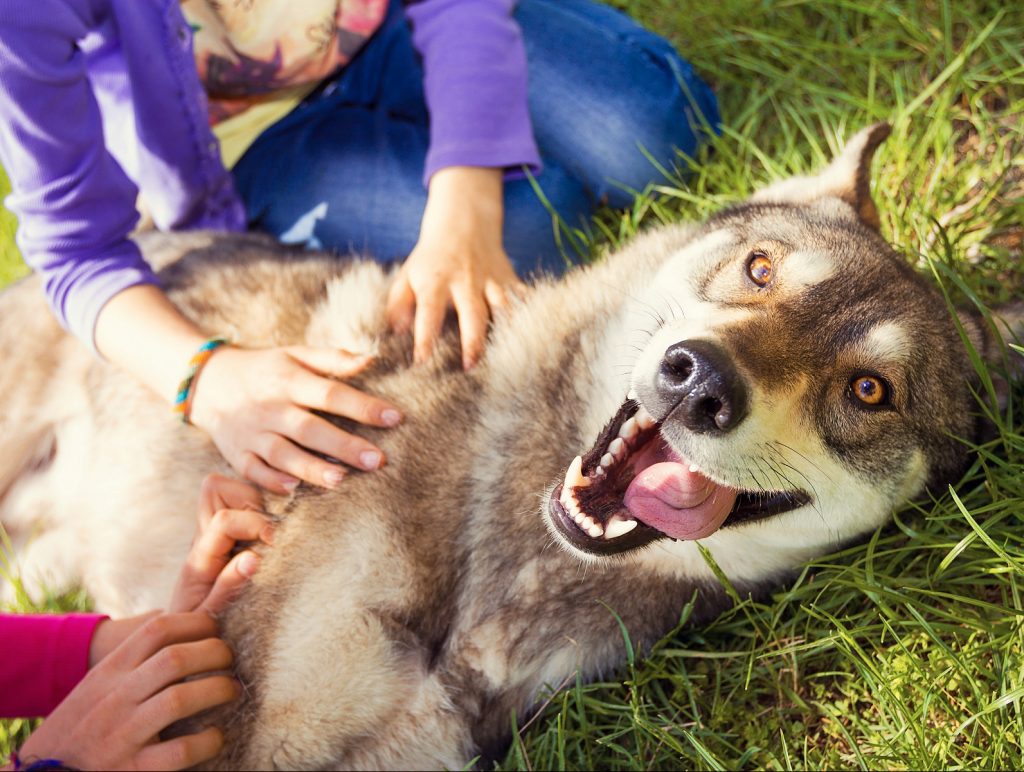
x: 42, y: 658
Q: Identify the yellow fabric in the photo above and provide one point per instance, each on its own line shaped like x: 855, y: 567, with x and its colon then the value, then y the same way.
x: 237, y: 133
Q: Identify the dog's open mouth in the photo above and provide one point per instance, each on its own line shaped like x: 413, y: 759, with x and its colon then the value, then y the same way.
x: 631, y: 488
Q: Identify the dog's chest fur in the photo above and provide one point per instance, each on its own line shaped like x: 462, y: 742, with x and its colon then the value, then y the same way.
x: 434, y: 572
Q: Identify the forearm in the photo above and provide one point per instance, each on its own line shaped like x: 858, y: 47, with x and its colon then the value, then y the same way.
x: 44, y: 657
x: 475, y: 83
x: 142, y: 332
x: 461, y: 199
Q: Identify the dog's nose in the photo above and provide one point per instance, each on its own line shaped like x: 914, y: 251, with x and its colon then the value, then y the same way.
x: 699, y: 378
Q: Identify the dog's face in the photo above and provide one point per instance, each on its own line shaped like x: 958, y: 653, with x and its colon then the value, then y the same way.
x: 795, y: 380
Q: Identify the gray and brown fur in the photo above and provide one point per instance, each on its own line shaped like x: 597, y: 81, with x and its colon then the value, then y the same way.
x: 399, y: 621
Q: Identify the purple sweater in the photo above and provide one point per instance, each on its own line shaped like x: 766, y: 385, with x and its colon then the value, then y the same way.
x: 100, y: 100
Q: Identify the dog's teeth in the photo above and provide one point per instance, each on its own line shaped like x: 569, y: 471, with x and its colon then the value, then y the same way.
x: 565, y: 497
x: 644, y: 419
x: 631, y: 394
x: 629, y: 429
x: 595, y: 531
x: 617, y: 448
x: 618, y: 527
x: 587, y: 523
x: 694, y: 469
x: 607, y: 460
x: 579, y: 517
x: 574, y: 477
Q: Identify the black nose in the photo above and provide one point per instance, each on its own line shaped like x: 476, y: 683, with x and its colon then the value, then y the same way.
x: 700, y: 379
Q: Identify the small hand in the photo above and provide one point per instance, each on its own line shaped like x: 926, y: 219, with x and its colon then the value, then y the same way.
x: 229, y: 512
x: 256, y: 406
x: 210, y: 577
x: 458, y: 261
x: 113, y: 718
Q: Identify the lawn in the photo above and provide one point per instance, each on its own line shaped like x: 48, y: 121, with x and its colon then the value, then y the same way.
x: 906, y: 651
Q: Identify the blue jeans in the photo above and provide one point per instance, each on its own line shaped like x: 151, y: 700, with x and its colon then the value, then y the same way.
x: 344, y: 170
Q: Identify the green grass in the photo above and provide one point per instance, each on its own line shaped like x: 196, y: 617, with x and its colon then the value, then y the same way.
x: 11, y: 264
x: 905, y: 651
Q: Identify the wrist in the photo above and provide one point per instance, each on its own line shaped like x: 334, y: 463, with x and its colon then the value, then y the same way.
x: 109, y: 634
x: 464, y: 201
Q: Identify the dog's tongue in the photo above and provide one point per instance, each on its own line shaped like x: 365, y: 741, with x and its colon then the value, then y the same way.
x: 679, y: 503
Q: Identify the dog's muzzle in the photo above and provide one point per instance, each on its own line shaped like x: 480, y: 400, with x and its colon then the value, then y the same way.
x: 698, y: 383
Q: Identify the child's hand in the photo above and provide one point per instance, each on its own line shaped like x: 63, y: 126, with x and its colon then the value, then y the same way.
x: 256, y: 406
x: 113, y: 718
x: 229, y: 512
x: 459, y: 261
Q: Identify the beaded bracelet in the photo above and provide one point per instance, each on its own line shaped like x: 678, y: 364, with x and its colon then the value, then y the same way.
x: 36, y: 765
x: 183, y: 399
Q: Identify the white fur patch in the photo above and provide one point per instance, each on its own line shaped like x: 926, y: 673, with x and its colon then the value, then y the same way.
x: 887, y: 342
x: 806, y: 268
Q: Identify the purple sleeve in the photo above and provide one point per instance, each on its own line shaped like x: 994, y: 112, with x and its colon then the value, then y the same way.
x: 475, y: 83
x: 44, y: 656
x: 75, y: 205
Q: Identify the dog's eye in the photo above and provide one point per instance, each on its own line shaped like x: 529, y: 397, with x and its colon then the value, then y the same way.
x: 759, y: 268
x: 871, y: 390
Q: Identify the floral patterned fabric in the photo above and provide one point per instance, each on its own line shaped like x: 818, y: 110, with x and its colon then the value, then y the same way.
x: 248, y: 50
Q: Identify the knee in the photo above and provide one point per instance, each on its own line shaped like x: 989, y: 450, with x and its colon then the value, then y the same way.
x: 669, y: 111
x: 617, y: 114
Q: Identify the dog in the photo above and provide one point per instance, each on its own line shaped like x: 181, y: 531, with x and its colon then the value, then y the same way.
x: 737, y: 396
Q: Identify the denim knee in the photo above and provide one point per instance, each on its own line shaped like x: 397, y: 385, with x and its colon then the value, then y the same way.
x: 608, y: 97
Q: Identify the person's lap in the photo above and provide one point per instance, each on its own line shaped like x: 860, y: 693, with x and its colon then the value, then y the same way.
x: 344, y: 170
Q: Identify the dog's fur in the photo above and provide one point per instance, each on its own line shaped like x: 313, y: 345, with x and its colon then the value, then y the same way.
x: 401, y: 620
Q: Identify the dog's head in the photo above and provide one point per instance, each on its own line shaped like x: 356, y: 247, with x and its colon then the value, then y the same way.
x: 796, y: 379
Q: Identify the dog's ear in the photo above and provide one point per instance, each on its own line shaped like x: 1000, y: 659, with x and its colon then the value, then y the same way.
x: 846, y: 178
x: 1000, y: 345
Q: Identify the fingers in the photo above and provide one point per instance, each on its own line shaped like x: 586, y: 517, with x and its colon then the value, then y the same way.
x: 401, y: 305
x: 182, y: 752
x: 334, y: 362
x: 239, y: 570
x: 176, y: 662
x: 159, y: 632
x: 220, y: 492
x: 474, y: 315
x: 316, y: 433
x: 212, y: 549
x: 313, y: 391
x: 499, y: 295
x: 181, y: 701
x: 281, y: 453
x: 431, y: 307
x: 256, y: 470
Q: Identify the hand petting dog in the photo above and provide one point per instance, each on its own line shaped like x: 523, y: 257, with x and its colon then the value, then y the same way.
x: 459, y: 261
x: 136, y: 685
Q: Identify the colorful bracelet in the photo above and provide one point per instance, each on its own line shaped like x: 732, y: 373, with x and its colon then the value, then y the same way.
x: 35, y: 766
x: 183, y: 399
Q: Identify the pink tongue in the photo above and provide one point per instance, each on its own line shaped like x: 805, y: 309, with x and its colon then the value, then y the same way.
x: 679, y: 503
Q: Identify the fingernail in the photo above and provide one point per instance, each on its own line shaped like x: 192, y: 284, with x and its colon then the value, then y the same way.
x: 248, y: 564
x: 267, y: 534
x: 290, y: 484
x: 370, y: 459
x: 391, y: 417
x: 333, y: 478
